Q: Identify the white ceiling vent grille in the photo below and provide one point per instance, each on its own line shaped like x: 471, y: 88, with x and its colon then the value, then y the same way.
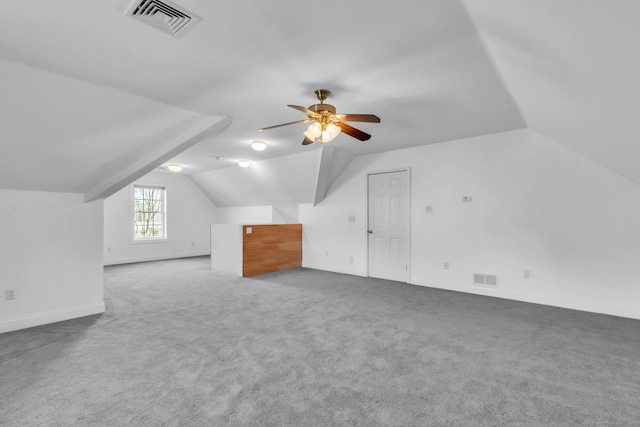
x: 164, y: 15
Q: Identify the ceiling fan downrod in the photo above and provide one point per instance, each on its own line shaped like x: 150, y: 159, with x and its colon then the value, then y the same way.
x: 322, y: 94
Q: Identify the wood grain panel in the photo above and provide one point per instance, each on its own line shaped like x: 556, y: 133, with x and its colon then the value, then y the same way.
x: 272, y: 247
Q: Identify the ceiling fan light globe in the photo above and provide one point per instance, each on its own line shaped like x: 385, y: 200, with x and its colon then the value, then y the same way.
x: 333, y: 130
x: 308, y: 135
x: 314, y: 129
x: 330, y: 132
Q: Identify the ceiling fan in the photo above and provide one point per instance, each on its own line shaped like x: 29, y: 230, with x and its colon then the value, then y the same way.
x: 326, y: 124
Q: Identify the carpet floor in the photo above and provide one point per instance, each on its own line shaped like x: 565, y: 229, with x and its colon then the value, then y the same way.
x: 180, y: 345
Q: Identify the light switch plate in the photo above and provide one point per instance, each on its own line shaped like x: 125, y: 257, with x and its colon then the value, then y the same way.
x: 249, y: 230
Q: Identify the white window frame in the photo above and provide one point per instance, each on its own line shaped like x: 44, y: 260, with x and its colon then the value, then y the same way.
x: 132, y: 215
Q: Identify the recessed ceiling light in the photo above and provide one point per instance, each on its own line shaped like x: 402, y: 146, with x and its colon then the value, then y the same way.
x: 258, y: 145
x: 173, y: 167
x: 244, y: 163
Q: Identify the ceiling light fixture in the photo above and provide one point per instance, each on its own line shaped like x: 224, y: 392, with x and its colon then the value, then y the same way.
x: 244, y: 163
x: 329, y: 132
x: 173, y: 167
x: 323, y: 129
x: 313, y: 131
x: 326, y: 124
x: 258, y: 145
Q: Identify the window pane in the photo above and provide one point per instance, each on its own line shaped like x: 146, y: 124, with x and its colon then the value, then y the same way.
x: 148, y: 214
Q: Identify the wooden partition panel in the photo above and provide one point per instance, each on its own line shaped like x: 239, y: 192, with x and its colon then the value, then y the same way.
x: 272, y: 247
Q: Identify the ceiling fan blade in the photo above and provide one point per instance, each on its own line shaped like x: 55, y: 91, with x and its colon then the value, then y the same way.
x: 358, y: 118
x: 351, y: 131
x: 303, y: 109
x: 307, y: 141
x: 286, y: 124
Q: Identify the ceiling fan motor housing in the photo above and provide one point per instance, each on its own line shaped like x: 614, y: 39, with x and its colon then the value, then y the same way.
x: 323, y: 109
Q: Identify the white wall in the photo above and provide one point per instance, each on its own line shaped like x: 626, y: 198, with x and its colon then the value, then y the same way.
x: 536, y: 206
x: 245, y: 215
x: 281, y: 214
x: 51, y: 256
x: 285, y: 214
x: 189, y: 217
x: 226, y: 248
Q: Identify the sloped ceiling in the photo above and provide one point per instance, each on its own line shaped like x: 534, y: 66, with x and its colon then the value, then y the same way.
x: 283, y: 180
x: 88, y: 92
x: 67, y: 135
x: 573, y: 67
x: 92, y: 73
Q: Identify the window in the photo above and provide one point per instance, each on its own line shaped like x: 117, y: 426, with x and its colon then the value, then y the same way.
x: 149, y: 213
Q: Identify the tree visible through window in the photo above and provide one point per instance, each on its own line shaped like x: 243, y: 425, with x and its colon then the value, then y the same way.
x: 149, y: 217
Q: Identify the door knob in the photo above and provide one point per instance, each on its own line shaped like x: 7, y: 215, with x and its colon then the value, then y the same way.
x: 370, y: 231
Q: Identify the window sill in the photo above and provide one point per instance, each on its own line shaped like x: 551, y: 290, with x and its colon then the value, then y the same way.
x: 145, y: 242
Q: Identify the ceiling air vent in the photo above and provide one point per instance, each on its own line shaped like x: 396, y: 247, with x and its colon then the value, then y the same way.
x: 163, y: 15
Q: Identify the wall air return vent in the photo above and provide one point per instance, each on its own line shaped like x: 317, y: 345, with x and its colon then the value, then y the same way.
x: 164, y: 15
x: 486, y: 280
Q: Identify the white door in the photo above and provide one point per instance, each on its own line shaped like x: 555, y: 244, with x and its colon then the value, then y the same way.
x: 388, y: 225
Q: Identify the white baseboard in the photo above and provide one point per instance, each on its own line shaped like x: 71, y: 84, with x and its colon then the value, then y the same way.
x: 333, y: 269
x: 154, y: 258
x: 544, y: 299
x: 38, y: 319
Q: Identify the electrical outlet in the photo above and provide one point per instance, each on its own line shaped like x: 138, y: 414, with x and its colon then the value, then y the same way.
x: 466, y: 198
x: 9, y: 294
x: 428, y: 209
x: 445, y: 265
x: 351, y: 259
x: 527, y: 274
x: 352, y: 218
x: 193, y: 243
x: 108, y: 249
x: 326, y: 253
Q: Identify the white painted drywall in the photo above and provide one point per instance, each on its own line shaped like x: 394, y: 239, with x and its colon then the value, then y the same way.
x: 285, y: 214
x: 189, y: 216
x: 535, y: 206
x: 570, y: 69
x: 278, y: 181
x: 246, y: 215
x: 276, y: 214
x: 226, y: 248
x: 51, y: 256
x: 105, y: 133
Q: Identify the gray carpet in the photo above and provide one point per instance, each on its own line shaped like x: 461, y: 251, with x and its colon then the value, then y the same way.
x: 182, y: 346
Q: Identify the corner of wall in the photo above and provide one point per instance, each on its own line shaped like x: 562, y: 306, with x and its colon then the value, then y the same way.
x: 51, y: 256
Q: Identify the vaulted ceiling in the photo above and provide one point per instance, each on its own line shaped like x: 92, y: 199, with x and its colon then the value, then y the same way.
x: 91, y: 98
x: 573, y: 67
